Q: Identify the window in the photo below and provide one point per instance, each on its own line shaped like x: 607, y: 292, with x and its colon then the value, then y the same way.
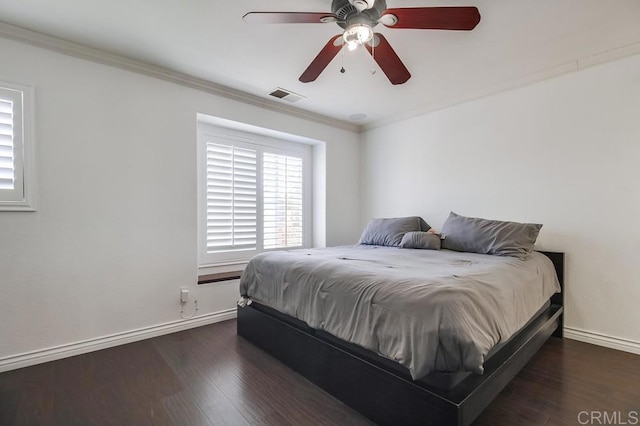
x: 253, y: 195
x: 282, y: 205
x: 15, y: 148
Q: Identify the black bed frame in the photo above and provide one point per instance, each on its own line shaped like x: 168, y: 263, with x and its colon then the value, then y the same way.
x: 384, y: 394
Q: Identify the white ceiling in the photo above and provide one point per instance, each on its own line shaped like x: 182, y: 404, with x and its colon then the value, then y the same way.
x: 208, y: 39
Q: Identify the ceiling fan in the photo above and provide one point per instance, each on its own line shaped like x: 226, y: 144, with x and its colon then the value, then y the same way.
x: 358, y: 18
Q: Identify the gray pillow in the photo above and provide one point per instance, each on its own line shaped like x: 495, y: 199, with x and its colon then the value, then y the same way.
x: 421, y: 240
x: 389, y: 231
x: 485, y: 236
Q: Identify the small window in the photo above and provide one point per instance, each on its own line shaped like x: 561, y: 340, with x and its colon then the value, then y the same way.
x: 254, y: 195
x: 16, y: 150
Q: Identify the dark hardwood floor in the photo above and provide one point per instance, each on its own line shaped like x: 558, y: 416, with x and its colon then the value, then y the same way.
x: 209, y: 375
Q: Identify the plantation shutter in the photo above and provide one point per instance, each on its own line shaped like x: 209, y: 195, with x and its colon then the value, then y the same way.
x: 7, y: 164
x: 282, y: 201
x: 231, y: 198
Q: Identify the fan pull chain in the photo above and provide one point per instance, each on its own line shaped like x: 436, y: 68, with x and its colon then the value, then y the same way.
x: 373, y: 55
x: 342, y: 70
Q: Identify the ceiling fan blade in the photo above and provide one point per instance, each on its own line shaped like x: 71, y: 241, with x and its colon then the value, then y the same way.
x: 288, y: 18
x: 433, y: 18
x: 388, y: 60
x: 328, y: 52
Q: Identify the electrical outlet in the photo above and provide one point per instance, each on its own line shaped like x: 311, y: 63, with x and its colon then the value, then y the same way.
x: 184, y: 295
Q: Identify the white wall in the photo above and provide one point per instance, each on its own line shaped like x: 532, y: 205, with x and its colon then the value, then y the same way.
x: 114, y: 236
x: 563, y: 152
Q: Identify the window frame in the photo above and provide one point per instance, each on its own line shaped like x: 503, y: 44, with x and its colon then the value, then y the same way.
x: 261, y: 143
x: 22, y: 197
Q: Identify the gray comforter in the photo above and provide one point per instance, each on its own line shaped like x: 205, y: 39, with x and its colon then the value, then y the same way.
x: 428, y: 310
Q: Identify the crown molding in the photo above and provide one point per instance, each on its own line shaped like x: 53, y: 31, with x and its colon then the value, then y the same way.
x: 609, y: 56
x: 569, y: 67
x: 81, y: 51
x: 45, y: 41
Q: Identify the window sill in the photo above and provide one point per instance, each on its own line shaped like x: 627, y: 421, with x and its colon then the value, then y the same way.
x: 219, y: 277
x: 17, y: 206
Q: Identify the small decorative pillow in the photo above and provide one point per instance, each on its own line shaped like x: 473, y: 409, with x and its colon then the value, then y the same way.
x: 389, y: 231
x: 474, y: 235
x: 421, y: 240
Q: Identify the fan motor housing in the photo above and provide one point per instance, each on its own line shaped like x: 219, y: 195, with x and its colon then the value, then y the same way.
x: 345, y: 11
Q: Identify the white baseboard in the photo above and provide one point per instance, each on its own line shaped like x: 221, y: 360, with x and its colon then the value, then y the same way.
x: 602, y: 340
x: 63, y: 351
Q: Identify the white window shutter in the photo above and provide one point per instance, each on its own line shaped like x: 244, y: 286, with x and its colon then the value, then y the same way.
x: 253, y: 195
x: 231, y: 198
x: 7, y: 164
x: 17, y: 169
x: 282, y: 201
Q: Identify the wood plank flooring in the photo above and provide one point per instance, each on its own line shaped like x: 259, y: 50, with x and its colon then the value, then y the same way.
x: 209, y: 376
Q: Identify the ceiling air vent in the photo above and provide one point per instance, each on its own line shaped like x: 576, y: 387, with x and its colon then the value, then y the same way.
x: 286, y: 95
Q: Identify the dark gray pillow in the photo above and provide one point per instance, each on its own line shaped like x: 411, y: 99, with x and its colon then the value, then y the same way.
x: 420, y: 240
x: 485, y: 236
x: 389, y: 231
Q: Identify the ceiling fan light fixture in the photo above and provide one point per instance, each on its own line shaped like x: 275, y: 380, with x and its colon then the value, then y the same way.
x: 361, y: 5
x: 357, y: 18
x: 357, y: 34
x: 389, y: 20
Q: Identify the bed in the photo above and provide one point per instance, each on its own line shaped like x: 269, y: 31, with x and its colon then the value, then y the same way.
x: 329, y: 315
